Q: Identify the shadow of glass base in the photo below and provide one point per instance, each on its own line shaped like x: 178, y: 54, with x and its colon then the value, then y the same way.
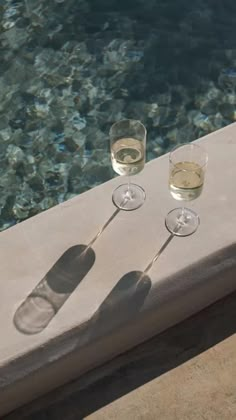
x: 35, y: 313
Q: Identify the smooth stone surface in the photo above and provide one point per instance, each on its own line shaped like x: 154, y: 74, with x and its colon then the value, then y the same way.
x: 194, y: 386
x: 114, y: 308
x: 185, y: 373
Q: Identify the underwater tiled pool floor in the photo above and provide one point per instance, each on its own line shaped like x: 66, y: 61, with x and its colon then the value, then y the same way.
x: 69, y: 69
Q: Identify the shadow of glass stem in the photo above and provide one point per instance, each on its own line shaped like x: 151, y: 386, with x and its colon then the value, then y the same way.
x: 35, y: 313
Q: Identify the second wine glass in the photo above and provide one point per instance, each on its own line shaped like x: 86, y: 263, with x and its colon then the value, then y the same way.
x: 128, y: 149
x: 187, y: 167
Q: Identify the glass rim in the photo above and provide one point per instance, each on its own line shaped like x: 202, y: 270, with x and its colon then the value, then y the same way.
x: 178, y: 146
x: 129, y: 119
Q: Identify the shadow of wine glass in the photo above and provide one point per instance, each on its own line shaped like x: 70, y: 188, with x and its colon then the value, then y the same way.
x: 122, y: 304
x: 42, y: 304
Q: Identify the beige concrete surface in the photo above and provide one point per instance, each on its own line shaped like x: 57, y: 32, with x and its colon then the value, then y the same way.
x: 186, y: 372
x: 109, y: 313
x: 204, y: 388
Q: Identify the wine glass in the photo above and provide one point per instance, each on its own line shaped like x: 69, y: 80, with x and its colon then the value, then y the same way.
x: 187, y: 167
x: 128, y: 147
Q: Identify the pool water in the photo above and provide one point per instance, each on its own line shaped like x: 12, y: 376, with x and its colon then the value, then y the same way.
x: 69, y: 69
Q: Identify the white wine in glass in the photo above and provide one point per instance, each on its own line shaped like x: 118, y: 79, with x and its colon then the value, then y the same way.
x: 128, y: 148
x: 127, y: 156
x: 186, y: 181
x: 187, y: 166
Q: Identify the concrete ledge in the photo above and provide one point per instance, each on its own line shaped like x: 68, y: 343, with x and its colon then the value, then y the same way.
x: 110, y: 306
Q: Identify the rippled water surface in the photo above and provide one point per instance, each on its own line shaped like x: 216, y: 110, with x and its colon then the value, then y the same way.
x: 69, y: 69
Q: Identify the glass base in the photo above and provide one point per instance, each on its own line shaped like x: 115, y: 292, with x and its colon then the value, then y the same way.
x: 128, y: 199
x: 182, y: 223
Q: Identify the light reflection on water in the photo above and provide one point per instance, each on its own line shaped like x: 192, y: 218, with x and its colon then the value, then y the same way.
x: 69, y: 69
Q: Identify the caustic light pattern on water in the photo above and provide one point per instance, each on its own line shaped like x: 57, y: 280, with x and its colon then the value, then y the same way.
x: 70, y: 69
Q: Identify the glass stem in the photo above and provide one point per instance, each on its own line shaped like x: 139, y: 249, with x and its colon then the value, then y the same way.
x: 129, y: 194
x: 181, y: 217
